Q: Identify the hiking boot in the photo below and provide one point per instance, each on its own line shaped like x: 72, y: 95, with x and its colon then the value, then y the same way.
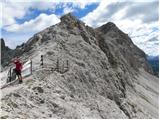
x: 20, y: 82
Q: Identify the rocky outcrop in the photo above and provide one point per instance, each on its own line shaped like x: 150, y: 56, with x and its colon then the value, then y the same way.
x: 134, y: 56
x: 105, y: 77
x: 6, y: 53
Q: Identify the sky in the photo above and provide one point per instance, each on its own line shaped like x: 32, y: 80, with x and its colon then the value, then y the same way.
x: 21, y: 19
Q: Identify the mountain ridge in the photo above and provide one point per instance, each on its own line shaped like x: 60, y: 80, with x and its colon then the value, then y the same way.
x: 101, y: 68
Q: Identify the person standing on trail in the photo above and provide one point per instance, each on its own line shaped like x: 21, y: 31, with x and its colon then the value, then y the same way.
x: 18, y: 68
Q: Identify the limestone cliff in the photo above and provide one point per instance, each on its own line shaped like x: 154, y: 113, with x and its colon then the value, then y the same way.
x: 106, y: 75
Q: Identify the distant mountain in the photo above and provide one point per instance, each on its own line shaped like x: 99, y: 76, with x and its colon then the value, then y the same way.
x: 6, y: 53
x: 154, y: 62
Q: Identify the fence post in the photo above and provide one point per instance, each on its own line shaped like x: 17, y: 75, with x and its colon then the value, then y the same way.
x: 57, y: 65
x: 42, y: 61
x: 63, y: 69
x: 67, y: 65
x: 9, y: 75
x: 31, y: 66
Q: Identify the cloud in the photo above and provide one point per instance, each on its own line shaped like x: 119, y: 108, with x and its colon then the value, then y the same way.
x: 43, y: 5
x: 138, y: 19
x: 147, y: 11
x: 114, y: 10
x: 17, y: 10
x: 102, y: 13
x: 74, y: 6
x: 11, y: 11
x: 83, y: 3
x: 147, y: 39
x: 150, y: 49
x: 142, y: 34
x: 154, y: 39
x: 37, y: 24
x: 12, y: 39
x: 67, y: 10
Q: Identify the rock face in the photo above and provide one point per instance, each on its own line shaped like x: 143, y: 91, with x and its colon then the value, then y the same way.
x: 99, y: 73
x: 114, y: 37
x: 6, y: 53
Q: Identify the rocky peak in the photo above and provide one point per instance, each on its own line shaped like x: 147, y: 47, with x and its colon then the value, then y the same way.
x: 2, y: 43
x: 110, y: 29
x: 71, y: 21
x: 3, y: 46
x: 68, y: 18
x: 115, y: 37
x: 107, y: 27
x: 6, y: 53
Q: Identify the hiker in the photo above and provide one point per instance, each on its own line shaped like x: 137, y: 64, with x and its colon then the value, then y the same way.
x: 18, y: 68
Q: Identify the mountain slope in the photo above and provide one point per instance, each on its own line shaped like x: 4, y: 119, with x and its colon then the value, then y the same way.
x: 106, y: 75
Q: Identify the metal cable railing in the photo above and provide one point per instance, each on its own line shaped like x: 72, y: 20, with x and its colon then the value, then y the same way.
x: 60, y: 66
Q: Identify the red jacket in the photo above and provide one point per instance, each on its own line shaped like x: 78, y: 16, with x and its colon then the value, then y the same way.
x: 18, y: 65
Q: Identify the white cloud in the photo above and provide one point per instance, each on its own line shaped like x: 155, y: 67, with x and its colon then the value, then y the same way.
x: 71, y: 6
x: 43, y: 5
x: 12, y: 40
x: 19, y: 8
x: 12, y: 10
x: 141, y: 34
x: 112, y: 10
x: 144, y: 11
x: 67, y: 10
x: 0, y: 15
x: 35, y: 25
x: 98, y: 16
x: 139, y: 24
x: 82, y: 4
